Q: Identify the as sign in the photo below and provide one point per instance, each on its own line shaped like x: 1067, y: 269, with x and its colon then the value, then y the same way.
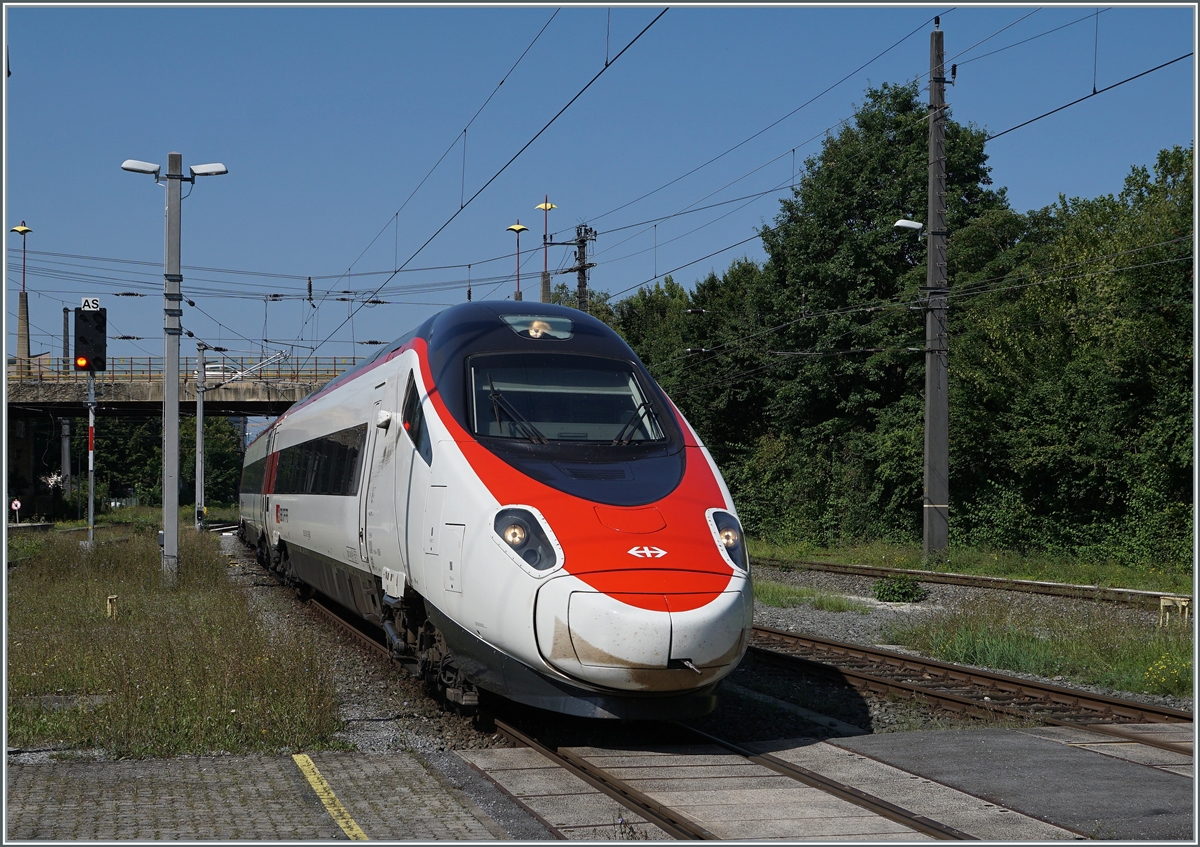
x: 90, y: 304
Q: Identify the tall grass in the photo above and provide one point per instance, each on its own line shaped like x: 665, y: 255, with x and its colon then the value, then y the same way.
x: 1092, y: 645
x: 182, y: 670
x: 984, y: 561
x: 787, y: 596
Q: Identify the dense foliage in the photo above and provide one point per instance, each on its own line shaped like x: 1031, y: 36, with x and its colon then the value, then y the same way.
x: 1070, y: 358
x: 129, y: 458
x: 1070, y: 354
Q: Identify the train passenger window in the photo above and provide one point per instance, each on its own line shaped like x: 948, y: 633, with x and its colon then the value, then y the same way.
x: 561, y: 397
x: 330, y: 464
x: 252, y: 476
x: 413, y: 419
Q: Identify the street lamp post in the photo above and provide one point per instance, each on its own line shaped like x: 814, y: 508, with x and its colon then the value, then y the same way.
x: 545, y: 206
x: 22, y: 310
x: 518, y: 229
x: 201, y: 387
x: 172, y: 312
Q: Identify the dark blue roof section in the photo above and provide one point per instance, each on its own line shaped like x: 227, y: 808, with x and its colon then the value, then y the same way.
x: 471, y: 328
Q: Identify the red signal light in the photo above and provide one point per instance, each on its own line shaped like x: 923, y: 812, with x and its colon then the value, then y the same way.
x: 82, y: 363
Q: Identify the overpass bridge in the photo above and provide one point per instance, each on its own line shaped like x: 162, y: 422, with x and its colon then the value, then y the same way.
x: 135, y: 385
x: 42, y: 390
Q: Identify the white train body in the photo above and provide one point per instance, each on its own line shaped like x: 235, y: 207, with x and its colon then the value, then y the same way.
x: 511, y: 496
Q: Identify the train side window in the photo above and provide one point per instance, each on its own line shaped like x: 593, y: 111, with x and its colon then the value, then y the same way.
x: 414, y: 420
x: 252, y: 476
x: 326, y: 465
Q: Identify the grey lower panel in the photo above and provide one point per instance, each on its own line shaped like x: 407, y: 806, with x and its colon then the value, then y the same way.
x: 352, y: 587
x: 488, y: 668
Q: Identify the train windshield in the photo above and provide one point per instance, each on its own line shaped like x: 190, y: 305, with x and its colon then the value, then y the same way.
x: 542, y: 398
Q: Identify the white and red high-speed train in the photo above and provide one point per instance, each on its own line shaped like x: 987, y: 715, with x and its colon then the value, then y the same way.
x: 511, y: 496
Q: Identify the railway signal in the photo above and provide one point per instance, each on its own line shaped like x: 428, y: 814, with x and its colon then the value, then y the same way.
x: 91, y: 339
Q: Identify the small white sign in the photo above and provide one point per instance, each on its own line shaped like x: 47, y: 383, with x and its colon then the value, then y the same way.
x: 90, y: 304
x: 16, y: 505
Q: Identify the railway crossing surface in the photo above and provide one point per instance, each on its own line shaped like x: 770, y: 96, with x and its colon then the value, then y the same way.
x: 1037, y: 784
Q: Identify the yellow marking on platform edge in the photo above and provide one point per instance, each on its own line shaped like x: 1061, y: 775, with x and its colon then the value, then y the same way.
x: 328, y: 799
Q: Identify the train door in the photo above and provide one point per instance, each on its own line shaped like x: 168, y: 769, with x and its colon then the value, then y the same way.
x: 414, y: 456
x: 382, y: 543
x: 268, y: 484
x: 364, y: 486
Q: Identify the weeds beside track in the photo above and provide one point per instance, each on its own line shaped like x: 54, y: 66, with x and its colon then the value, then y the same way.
x: 178, y: 670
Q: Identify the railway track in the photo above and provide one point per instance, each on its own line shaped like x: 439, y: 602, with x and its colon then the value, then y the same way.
x: 947, y: 686
x: 966, y: 690
x: 1129, y: 596
x: 680, y: 826
x: 970, y: 691
x: 671, y: 821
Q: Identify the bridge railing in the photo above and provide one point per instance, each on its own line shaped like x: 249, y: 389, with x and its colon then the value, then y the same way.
x: 149, y: 369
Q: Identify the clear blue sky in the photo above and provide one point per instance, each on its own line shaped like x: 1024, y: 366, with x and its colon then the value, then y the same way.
x: 329, y: 118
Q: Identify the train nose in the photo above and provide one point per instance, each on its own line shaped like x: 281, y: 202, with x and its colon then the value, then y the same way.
x: 639, y: 642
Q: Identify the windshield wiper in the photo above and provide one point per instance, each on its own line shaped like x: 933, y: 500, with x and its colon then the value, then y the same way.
x: 639, y: 414
x: 498, y: 403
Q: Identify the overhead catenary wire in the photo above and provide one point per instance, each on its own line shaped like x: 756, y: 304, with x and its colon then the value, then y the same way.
x: 657, y: 275
x: 766, y: 128
x: 922, y: 118
x: 992, y: 285
x: 496, y: 258
x: 821, y: 134
x: 462, y: 134
x: 515, y: 156
x: 962, y: 62
x: 1089, y: 96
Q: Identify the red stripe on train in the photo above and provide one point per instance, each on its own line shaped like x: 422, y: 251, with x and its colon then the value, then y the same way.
x: 691, y: 569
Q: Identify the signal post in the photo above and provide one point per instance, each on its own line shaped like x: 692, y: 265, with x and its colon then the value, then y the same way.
x: 91, y: 348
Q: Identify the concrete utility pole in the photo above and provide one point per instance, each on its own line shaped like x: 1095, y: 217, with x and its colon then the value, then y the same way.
x: 66, y: 359
x: 937, y: 452
x: 172, y: 312
x: 201, y: 384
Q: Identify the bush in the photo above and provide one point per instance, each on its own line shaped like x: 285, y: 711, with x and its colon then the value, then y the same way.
x: 899, y: 588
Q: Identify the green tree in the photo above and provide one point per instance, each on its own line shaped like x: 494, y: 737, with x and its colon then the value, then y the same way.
x: 598, y: 305
x: 222, y: 459
x: 810, y: 396
x: 1071, y: 403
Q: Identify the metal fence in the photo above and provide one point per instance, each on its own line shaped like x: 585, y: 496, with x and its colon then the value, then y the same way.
x: 149, y: 369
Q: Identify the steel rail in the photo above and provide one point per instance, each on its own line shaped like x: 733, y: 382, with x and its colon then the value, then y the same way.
x: 1111, y: 710
x: 322, y: 608
x: 849, y: 793
x: 670, y: 821
x: 1131, y: 596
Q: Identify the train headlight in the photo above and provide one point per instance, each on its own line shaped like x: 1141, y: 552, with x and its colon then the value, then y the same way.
x: 515, y: 535
x: 524, y: 534
x: 728, y: 534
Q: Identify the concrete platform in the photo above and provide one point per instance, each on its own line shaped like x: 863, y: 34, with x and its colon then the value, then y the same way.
x: 1081, y: 789
x: 1041, y: 784
x: 390, y: 797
